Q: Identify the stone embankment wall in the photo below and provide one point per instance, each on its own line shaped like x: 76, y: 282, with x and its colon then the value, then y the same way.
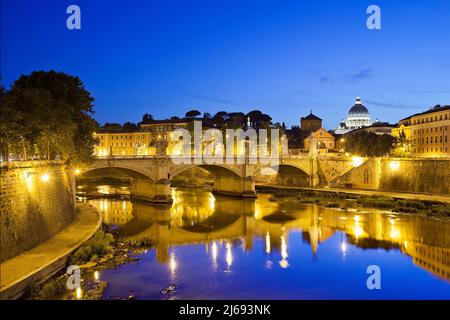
x: 402, y: 174
x: 37, y: 202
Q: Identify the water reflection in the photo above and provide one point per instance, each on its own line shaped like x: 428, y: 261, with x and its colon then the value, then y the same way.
x: 224, y: 225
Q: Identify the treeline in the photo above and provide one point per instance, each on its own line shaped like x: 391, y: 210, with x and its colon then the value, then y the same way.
x: 47, y: 115
x: 369, y: 144
x: 221, y: 120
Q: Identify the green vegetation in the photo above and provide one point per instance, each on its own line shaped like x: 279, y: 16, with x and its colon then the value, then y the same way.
x: 47, y: 115
x: 53, y: 288
x: 140, y: 243
x: 369, y: 144
x: 344, y: 201
x: 97, y: 247
x: 429, y: 208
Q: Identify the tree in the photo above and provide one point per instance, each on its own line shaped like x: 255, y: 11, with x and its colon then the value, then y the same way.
x: 369, y: 144
x: 130, y: 127
x: 147, y: 118
x: 192, y: 114
x: 53, y: 112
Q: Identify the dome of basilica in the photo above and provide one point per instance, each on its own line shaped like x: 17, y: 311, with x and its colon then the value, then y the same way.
x: 358, y: 108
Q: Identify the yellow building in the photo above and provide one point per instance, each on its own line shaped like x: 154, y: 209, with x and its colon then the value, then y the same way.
x: 426, y: 134
x: 320, y: 140
x: 123, y: 143
x: 145, y: 140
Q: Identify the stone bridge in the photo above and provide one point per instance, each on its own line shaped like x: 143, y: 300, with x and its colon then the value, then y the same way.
x: 152, y: 174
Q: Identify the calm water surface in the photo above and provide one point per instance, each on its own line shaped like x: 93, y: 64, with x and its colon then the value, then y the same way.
x: 224, y: 248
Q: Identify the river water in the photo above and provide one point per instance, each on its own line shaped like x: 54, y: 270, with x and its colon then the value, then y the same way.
x: 226, y: 248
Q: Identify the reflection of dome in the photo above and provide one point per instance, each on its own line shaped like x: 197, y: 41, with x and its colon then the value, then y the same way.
x: 358, y: 108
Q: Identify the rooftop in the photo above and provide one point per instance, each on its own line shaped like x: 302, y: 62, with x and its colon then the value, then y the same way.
x: 311, y: 116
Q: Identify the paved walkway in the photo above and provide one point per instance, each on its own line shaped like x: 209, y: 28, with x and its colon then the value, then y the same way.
x: 49, y: 257
x: 401, y: 195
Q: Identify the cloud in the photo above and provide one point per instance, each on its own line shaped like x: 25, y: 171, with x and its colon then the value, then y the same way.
x: 391, y: 105
x: 361, y: 74
x: 211, y: 99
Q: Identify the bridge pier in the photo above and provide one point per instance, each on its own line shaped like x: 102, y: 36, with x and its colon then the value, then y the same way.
x: 151, y: 191
x: 234, y: 186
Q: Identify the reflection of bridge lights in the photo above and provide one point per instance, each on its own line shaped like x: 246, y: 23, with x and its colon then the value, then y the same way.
x: 284, y: 253
x: 229, y: 257
x: 79, y: 293
x: 284, y: 263
x: 172, y: 263
x: 175, y: 197
x: 358, y: 231
x: 96, y: 275
x: 267, y: 242
x: 357, y: 218
x: 214, y: 250
x: 214, y: 255
x: 395, y: 233
x: 212, y: 202
x: 344, y: 247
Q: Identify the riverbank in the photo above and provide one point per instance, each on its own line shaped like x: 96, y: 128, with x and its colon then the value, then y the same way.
x: 345, y: 199
x: 41, y: 262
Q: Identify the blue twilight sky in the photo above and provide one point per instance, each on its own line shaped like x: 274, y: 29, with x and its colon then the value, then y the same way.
x: 166, y: 57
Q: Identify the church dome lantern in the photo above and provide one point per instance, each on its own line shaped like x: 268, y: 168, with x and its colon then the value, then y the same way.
x: 358, y: 117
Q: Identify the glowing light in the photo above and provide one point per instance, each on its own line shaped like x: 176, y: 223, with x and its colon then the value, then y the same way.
x: 77, y: 171
x: 358, y: 231
x: 284, y: 263
x: 173, y: 263
x: 357, y: 218
x: 267, y: 242
x: 96, y: 275
x: 394, y: 165
x: 395, y: 233
x: 214, y: 250
x: 229, y: 256
x: 405, y: 244
x: 212, y: 202
x: 284, y: 253
x: 45, y: 177
x: 79, y: 293
x: 357, y: 161
x: 344, y: 247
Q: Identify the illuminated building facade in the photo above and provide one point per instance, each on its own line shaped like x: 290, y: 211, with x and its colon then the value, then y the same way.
x: 144, y: 140
x: 426, y: 134
x: 123, y: 143
x: 358, y: 117
x: 320, y: 141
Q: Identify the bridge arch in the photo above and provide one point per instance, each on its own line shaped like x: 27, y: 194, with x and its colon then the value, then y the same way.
x: 215, y: 169
x: 285, y: 168
x: 117, y: 171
